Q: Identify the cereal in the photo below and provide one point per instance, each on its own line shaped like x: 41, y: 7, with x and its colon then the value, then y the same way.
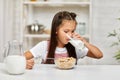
x: 65, y: 62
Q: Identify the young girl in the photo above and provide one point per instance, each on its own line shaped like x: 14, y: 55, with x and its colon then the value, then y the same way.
x: 58, y: 46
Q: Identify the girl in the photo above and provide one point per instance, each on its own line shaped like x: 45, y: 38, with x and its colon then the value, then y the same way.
x: 63, y: 23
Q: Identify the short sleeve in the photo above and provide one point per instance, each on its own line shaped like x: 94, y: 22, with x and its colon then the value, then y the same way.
x: 39, y: 49
x: 81, y: 53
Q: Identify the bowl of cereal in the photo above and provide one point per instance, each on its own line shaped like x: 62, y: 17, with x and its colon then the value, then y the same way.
x: 65, y: 62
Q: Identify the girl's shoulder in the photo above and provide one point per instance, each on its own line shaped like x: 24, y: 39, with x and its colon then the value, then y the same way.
x: 39, y: 49
x: 41, y: 45
x: 43, y: 42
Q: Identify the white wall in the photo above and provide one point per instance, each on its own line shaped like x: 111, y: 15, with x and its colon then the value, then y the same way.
x: 105, y: 13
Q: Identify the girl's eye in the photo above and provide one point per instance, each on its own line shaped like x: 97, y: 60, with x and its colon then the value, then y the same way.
x: 66, y: 31
x: 73, y: 31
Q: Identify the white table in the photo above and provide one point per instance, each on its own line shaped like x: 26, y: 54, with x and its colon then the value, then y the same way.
x: 50, y: 72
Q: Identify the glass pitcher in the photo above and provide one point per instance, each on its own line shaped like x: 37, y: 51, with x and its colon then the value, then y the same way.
x: 15, y: 62
x: 13, y: 47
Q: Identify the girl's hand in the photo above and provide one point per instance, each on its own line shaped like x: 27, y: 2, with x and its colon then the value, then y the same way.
x: 29, y: 64
x: 77, y: 36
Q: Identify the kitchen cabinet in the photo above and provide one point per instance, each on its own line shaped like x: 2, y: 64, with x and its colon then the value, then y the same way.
x: 43, y: 12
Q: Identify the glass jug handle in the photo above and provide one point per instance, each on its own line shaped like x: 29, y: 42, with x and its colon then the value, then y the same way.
x: 5, y: 50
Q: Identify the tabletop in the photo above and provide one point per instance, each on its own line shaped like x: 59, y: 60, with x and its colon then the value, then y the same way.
x: 79, y: 72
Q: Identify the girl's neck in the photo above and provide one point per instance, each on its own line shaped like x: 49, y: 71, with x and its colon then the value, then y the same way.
x: 60, y: 45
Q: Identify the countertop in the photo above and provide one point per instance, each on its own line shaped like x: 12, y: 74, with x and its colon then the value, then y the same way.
x: 79, y: 72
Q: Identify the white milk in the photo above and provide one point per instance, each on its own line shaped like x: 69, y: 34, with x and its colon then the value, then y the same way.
x: 15, y: 64
x: 76, y: 43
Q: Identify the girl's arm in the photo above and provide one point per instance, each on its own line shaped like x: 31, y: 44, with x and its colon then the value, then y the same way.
x: 29, y: 60
x: 93, y: 51
x: 28, y: 55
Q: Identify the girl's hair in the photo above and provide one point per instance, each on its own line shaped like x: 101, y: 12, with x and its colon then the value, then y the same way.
x: 56, y: 22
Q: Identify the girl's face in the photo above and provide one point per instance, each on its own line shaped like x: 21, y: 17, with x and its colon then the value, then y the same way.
x: 67, y: 27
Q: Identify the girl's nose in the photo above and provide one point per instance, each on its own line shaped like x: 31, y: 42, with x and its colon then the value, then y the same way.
x: 70, y: 34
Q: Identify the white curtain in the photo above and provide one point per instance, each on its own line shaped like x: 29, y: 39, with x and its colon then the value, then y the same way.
x: 10, y: 21
x: 1, y: 22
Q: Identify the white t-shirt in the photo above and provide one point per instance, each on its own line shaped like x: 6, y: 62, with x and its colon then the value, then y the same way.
x: 41, y: 49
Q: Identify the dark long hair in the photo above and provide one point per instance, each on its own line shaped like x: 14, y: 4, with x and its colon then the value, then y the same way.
x: 56, y: 22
